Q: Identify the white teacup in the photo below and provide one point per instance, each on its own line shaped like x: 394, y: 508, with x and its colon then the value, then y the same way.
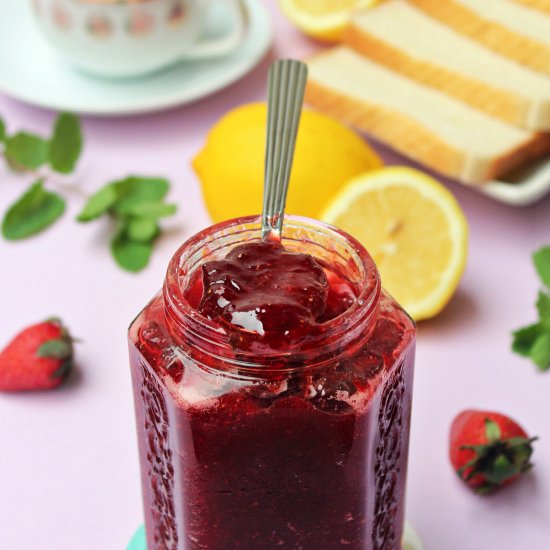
x: 121, y: 38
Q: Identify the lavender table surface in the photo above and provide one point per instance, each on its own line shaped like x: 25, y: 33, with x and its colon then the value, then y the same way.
x: 69, y: 475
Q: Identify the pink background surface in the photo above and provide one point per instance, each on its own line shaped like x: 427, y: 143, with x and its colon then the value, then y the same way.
x: 69, y: 469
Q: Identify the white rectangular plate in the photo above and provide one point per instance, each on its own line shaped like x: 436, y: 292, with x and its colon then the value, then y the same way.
x: 524, y: 186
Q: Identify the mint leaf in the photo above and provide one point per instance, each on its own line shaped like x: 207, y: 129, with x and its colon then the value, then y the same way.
x: 153, y: 210
x: 137, y: 190
x: 543, y: 307
x: 66, y: 143
x: 541, y: 259
x: 524, y: 339
x: 24, y: 150
x: 33, y: 212
x: 142, y: 230
x: 2, y: 130
x: 540, y: 352
x: 130, y: 255
x: 99, y: 203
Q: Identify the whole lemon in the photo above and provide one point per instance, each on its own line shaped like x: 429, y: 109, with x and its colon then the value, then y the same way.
x: 231, y: 164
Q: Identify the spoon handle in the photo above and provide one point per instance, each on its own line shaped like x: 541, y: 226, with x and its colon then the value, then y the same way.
x: 287, y: 82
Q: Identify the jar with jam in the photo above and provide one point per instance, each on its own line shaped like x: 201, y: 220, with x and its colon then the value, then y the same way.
x: 272, y: 384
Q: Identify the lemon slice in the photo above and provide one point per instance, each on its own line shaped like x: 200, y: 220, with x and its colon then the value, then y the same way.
x: 415, y: 231
x: 324, y: 19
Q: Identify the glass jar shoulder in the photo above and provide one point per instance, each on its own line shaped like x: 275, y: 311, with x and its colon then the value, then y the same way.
x: 394, y: 331
x: 342, y: 385
x: 149, y: 335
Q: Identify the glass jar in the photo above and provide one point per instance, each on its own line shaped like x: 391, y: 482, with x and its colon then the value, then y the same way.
x: 255, y: 451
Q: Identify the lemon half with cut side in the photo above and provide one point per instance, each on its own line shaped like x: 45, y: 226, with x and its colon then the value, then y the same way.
x: 415, y: 231
x: 323, y: 19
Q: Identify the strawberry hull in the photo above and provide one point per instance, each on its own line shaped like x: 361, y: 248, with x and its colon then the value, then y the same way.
x: 489, y: 450
x: 313, y: 457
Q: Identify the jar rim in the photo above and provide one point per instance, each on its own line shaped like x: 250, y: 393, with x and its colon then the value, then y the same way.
x: 187, y: 322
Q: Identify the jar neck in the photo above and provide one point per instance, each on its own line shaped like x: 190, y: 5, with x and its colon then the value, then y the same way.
x: 199, y: 336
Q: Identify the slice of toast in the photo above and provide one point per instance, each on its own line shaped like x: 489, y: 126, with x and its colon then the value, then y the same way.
x: 407, y: 40
x: 543, y: 5
x: 420, y: 122
x: 504, y: 26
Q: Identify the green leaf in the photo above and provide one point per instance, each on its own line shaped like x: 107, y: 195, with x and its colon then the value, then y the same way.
x: 55, y: 349
x: 501, y: 470
x: 137, y: 190
x: 543, y: 307
x: 2, y: 130
x: 33, y: 212
x: 66, y: 143
x: 492, y: 431
x: 130, y: 255
x: 541, y: 259
x: 153, y: 210
x: 99, y: 203
x: 524, y: 338
x: 142, y: 229
x: 540, y: 352
x: 26, y: 150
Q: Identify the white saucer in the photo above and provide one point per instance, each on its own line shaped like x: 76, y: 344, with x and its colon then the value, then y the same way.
x: 30, y: 70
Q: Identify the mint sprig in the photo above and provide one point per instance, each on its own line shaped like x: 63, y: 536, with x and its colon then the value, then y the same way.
x: 533, y: 341
x: 37, y: 208
x: 137, y: 204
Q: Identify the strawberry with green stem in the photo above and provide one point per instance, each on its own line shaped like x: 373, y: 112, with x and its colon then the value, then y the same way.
x: 38, y: 358
x: 489, y: 450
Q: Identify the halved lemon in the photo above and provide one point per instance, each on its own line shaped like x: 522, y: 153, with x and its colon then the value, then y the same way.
x: 323, y: 19
x: 231, y: 163
x: 415, y: 231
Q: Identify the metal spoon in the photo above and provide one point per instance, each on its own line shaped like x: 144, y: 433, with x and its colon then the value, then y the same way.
x: 287, y: 82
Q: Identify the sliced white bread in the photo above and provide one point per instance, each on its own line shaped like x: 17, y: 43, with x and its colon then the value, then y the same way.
x: 407, y: 40
x: 504, y: 26
x: 430, y: 127
x: 543, y: 5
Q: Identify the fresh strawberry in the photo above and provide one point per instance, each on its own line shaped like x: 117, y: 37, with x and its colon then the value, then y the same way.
x: 489, y: 450
x: 38, y: 358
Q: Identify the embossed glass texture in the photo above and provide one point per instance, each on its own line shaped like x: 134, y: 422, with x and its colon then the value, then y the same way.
x: 237, y: 455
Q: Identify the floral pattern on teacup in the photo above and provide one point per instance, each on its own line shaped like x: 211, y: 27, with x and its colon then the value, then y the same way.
x: 62, y: 18
x: 177, y: 14
x: 98, y: 25
x: 140, y: 23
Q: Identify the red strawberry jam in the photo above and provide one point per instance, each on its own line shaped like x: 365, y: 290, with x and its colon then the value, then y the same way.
x: 273, y: 390
x: 264, y: 295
